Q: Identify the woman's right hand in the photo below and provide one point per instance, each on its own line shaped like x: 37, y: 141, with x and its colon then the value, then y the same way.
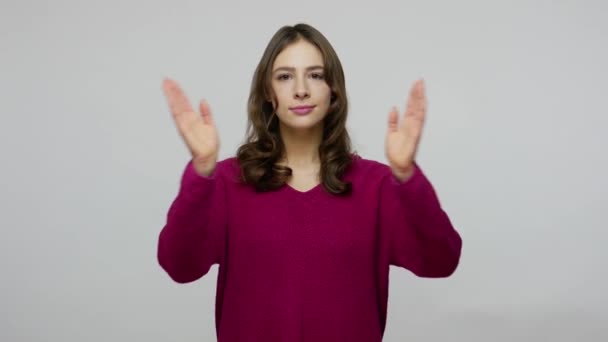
x: 198, y: 130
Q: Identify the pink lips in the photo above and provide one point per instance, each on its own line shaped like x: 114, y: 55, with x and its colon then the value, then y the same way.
x: 302, y: 110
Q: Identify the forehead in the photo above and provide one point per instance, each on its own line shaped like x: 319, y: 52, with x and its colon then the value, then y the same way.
x: 299, y: 55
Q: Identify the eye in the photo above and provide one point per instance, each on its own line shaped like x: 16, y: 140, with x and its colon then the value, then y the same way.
x: 317, y: 76
x: 283, y: 77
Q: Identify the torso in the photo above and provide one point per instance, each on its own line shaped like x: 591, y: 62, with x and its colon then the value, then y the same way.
x: 304, y: 259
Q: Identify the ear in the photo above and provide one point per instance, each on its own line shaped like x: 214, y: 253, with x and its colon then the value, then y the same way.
x: 267, y: 107
x: 269, y: 98
x: 333, y: 96
x: 272, y: 103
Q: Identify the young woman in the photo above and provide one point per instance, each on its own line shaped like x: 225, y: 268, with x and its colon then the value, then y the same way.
x: 303, y: 229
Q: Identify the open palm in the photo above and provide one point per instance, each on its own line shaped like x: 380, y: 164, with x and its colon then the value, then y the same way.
x: 403, y: 136
x: 197, y: 129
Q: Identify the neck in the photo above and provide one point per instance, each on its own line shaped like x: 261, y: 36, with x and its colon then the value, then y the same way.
x: 302, y: 146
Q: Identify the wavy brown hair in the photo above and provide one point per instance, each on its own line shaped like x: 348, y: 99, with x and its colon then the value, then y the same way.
x: 263, y: 147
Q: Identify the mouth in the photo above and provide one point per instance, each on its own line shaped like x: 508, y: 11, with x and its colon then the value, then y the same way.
x: 302, y: 110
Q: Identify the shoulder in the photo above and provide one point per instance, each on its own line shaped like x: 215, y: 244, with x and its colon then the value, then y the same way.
x: 368, y: 168
x: 368, y: 176
x: 227, y: 166
x: 361, y: 170
x: 228, y: 170
x: 359, y: 166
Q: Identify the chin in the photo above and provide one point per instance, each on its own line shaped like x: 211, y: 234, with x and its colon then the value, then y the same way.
x: 302, y: 124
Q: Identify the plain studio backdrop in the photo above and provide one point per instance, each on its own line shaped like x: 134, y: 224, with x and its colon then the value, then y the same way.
x: 514, y: 144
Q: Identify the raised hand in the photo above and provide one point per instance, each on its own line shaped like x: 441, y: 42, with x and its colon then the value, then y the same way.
x: 197, y: 129
x: 403, y: 136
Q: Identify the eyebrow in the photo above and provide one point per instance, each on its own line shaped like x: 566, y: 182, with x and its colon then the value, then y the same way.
x: 285, y: 68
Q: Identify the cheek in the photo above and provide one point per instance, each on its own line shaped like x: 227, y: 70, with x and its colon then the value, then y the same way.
x: 282, y: 96
x: 326, y: 94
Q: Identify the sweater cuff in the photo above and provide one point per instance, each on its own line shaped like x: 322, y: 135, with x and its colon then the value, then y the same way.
x: 192, y: 182
x: 415, y: 189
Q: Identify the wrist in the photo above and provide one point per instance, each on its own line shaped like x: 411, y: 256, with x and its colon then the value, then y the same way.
x: 403, y: 175
x: 204, y: 168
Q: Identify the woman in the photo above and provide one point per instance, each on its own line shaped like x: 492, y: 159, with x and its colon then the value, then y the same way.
x: 303, y: 229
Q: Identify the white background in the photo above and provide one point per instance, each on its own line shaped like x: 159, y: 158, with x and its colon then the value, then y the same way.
x: 514, y: 144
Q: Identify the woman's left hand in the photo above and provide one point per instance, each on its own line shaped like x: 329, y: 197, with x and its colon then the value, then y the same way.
x: 403, y: 136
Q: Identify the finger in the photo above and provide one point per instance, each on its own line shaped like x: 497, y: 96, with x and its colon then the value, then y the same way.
x: 205, y: 110
x: 416, y: 103
x: 178, y: 102
x: 393, y: 119
x: 410, y: 99
x: 420, y: 96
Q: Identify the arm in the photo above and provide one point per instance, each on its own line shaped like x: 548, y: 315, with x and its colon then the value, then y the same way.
x: 423, y: 239
x: 193, y: 237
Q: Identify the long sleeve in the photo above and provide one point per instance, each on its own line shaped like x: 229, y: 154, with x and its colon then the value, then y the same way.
x: 193, y: 237
x: 422, y: 238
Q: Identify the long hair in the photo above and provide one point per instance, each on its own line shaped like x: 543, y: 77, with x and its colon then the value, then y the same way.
x: 263, y: 147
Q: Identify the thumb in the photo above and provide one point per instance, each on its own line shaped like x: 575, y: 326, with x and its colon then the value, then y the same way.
x: 393, y: 120
x: 205, y: 110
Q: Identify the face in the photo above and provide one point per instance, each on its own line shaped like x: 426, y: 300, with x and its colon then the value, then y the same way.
x: 301, y: 94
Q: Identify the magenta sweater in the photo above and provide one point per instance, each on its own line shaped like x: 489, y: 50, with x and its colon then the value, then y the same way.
x: 305, y: 266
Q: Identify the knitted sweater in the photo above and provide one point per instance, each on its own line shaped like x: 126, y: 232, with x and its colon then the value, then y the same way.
x: 305, y: 265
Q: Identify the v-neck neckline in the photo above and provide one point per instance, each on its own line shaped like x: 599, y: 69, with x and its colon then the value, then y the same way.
x: 304, y: 192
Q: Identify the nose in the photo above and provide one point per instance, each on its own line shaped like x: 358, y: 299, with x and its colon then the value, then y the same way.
x: 301, y: 95
x: 301, y: 91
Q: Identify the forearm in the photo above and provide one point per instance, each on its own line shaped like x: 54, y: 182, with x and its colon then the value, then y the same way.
x: 437, y: 241
x: 186, y: 245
